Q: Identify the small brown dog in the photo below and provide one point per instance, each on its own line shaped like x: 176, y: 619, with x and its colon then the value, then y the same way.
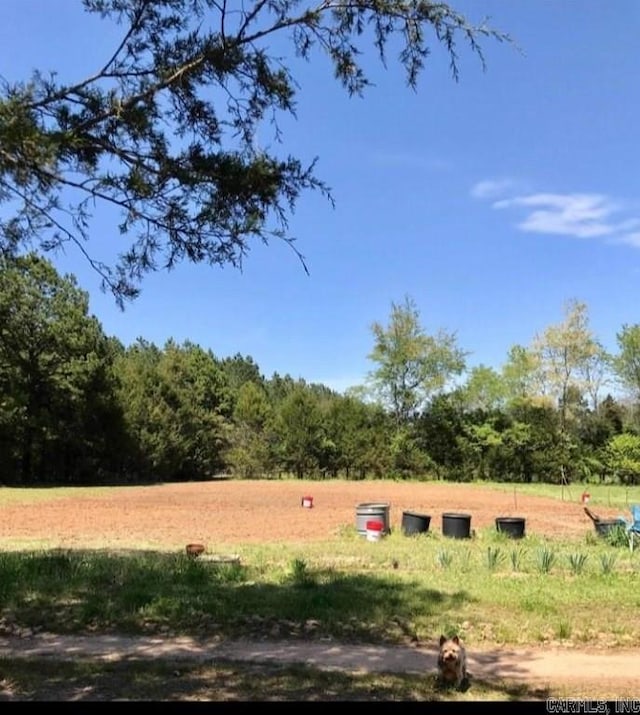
x: 452, y: 661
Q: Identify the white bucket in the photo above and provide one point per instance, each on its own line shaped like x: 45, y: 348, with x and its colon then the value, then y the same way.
x: 375, y: 530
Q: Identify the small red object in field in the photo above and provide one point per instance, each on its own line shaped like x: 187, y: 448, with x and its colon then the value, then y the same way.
x: 195, y: 549
x: 307, y: 502
x: 585, y: 497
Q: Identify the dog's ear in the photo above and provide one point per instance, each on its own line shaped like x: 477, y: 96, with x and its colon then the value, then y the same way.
x: 442, y: 639
x: 456, y: 640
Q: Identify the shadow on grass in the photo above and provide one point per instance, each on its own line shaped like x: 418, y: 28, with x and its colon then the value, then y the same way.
x: 67, y: 592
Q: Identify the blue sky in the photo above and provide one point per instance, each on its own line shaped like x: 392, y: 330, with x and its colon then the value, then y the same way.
x: 491, y: 201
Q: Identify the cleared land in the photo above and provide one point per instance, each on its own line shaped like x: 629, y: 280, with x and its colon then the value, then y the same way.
x: 166, y: 517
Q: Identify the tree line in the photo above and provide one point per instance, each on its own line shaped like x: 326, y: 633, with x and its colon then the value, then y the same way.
x: 79, y: 407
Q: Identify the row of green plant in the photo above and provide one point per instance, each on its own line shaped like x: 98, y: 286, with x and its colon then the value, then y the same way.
x: 498, y: 552
x: 544, y: 559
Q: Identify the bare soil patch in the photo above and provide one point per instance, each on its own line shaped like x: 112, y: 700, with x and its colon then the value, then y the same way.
x: 169, y: 516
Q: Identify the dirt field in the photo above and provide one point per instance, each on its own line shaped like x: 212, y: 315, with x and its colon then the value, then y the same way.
x: 235, y: 512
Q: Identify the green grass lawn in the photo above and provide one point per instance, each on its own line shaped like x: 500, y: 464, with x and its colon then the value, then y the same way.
x: 491, y: 589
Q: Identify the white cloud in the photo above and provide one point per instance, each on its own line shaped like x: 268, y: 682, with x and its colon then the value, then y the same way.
x: 580, y: 215
x: 572, y: 214
x: 491, y: 188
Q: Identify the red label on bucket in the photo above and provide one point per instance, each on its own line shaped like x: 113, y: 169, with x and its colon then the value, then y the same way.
x: 374, y: 526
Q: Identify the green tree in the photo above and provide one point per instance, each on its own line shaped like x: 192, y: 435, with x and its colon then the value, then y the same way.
x: 279, y: 387
x: 164, y: 130
x: 58, y: 413
x: 412, y: 365
x: 535, y: 440
x: 251, y: 453
x: 623, y: 458
x: 484, y: 390
x: 519, y: 372
x: 565, y: 352
x: 373, y: 457
x: 138, y: 392
x: 239, y: 370
x: 517, y: 453
x: 408, y: 459
x: 613, y: 413
x: 596, y: 373
x: 439, y: 429
x: 176, y: 407
x: 301, y: 431
x: 626, y: 363
x: 349, y: 424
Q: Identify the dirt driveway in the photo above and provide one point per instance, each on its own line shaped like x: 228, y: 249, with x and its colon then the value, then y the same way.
x: 612, y: 675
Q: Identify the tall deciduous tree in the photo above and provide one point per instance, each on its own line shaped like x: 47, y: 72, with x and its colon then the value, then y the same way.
x: 164, y: 130
x: 484, y: 390
x: 596, y: 373
x: 519, y: 372
x: 565, y: 352
x: 626, y: 362
x: 412, y: 366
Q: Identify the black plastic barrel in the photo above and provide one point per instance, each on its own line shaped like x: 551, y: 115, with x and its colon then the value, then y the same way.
x: 457, y: 526
x: 511, y: 526
x: 372, y: 512
x: 413, y: 523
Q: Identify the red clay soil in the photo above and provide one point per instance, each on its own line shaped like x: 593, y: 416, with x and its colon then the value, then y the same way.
x: 169, y: 516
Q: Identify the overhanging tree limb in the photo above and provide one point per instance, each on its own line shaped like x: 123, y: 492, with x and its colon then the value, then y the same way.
x: 165, y: 130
